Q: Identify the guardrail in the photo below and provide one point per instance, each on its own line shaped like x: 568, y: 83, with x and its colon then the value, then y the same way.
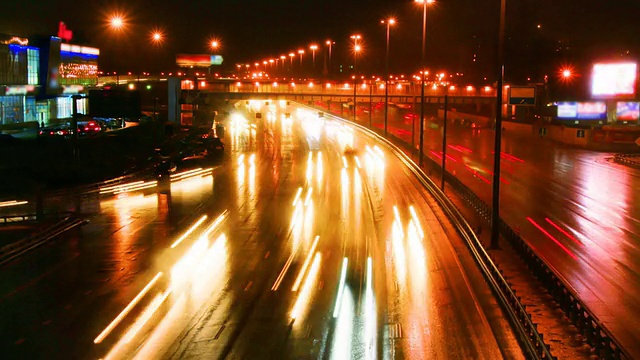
x: 12, y: 251
x: 632, y: 160
x: 595, y: 333
x: 528, y: 335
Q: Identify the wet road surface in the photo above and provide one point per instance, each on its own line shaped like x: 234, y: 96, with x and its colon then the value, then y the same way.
x: 576, y: 208
x: 307, y: 242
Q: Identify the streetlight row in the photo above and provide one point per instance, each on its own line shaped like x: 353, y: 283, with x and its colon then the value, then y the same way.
x: 301, y: 51
x: 118, y: 22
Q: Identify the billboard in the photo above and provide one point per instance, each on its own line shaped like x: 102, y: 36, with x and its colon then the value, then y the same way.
x: 592, y: 110
x: 628, y: 110
x: 198, y: 60
x: 614, y: 80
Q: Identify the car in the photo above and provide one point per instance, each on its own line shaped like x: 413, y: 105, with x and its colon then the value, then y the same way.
x: 89, y: 128
x: 55, y: 131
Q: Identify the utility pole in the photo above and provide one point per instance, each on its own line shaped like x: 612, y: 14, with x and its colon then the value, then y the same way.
x: 495, y: 210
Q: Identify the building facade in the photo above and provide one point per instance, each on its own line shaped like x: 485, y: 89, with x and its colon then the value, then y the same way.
x: 39, y: 76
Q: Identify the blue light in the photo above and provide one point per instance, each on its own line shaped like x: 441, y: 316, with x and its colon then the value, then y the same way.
x: 82, y: 56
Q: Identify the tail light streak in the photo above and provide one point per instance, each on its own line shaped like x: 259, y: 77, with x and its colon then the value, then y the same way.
x: 552, y: 238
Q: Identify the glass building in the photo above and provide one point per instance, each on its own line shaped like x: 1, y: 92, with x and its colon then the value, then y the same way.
x: 38, y: 79
x: 19, y: 80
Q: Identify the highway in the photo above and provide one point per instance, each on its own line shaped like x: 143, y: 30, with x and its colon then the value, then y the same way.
x: 576, y: 208
x: 309, y: 241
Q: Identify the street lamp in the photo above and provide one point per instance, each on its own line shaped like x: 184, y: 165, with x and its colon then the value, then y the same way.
x: 291, y: 56
x: 328, y: 43
x: 282, y: 57
x: 497, y: 146
x: 117, y: 22
x: 313, y: 48
x: 301, y: 52
x: 356, y: 49
x: 157, y: 37
x: 214, y: 45
x: 425, y: 4
x: 389, y: 23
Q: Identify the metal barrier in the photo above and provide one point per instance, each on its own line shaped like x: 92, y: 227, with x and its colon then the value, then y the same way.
x: 528, y: 335
x: 632, y: 160
x: 12, y: 251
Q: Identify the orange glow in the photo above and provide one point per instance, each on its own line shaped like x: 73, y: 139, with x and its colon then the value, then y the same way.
x: 157, y: 36
x: 357, y: 48
x: 117, y: 22
x: 301, y: 51
x: 214, y: 44
x: 313, y: 47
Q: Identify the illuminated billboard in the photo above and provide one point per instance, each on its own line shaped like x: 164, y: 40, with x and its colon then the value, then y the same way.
x: 614, y: 80
x: 195, y: 60
x: 593, y: 110
x: 628, y: 110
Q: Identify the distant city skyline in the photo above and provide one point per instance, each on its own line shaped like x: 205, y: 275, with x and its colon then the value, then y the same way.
x: 542, y: 35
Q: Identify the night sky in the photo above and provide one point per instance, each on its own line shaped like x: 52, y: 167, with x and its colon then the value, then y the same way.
x: 254, y: 30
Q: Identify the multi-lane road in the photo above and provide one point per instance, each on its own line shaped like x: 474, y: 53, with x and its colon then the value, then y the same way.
x: 308, y: 241
x: 576, y: 208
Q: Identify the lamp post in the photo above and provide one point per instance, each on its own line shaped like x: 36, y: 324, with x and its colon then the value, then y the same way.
x: 495, y: 209
x: 329, y: 43
x: 356, y: 50
x: 313, y: 48
x: 291, y: 56
x: 301, y: 52
x: 388, y: 22
x: 282, y: 57
x: 422, y: 64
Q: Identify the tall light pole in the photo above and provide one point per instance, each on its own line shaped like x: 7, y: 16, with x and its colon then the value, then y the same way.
x: 329, y: 43
x: 425, y: 4
x: 291, y: 56
x: 495, y: 209
x: 313, y: 48
x: 301, y: 52
x: 356, y: 50
x: 282, y: 57
x: 388, y: 22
